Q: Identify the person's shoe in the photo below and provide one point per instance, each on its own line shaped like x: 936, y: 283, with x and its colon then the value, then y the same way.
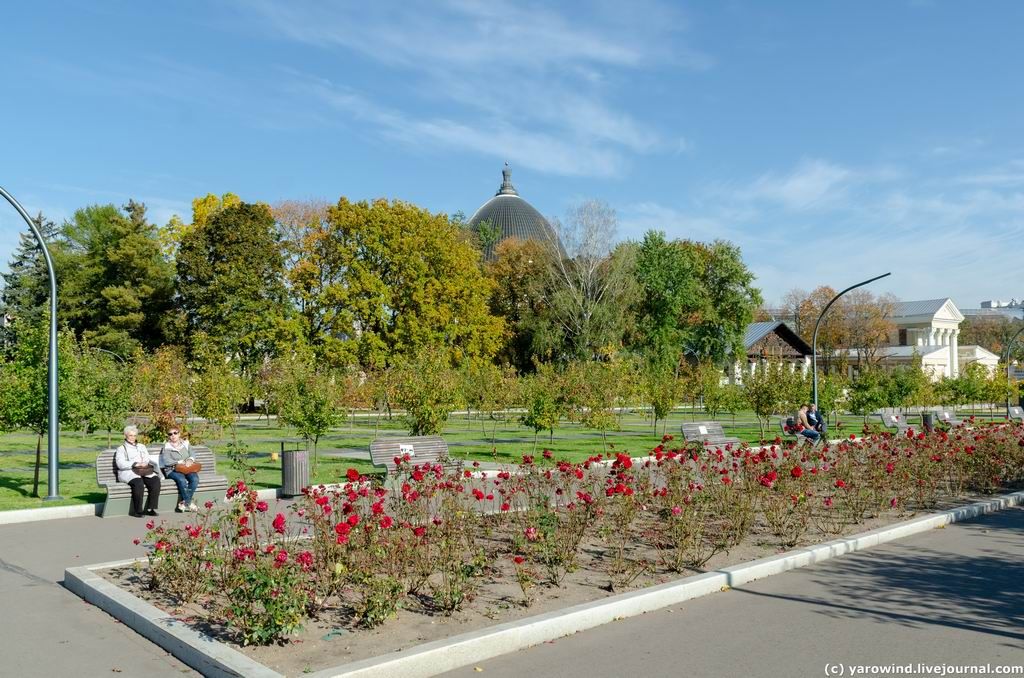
x: 133, y: 514
x: 181, y: 507
x: 151, y: 512
x: 193, y: 508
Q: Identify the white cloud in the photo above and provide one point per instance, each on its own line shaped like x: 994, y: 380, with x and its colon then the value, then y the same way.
x: 515, y: 81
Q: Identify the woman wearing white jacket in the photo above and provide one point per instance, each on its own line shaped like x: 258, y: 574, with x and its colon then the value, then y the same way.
x: 137, y: 467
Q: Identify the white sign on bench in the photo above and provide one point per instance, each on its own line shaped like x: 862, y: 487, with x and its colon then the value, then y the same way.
x: 405, y: 449
x: 703, y: 430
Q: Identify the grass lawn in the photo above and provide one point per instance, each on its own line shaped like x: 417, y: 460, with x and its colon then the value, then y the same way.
x: 468, y: 437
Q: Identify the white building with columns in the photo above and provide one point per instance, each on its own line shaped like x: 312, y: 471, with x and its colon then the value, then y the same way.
x: 931, y: 329
x: 931, y: 326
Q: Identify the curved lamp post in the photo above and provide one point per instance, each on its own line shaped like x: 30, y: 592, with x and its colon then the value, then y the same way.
x: 53, y: 430
x: 1009, y: 345
x: 814, y: 345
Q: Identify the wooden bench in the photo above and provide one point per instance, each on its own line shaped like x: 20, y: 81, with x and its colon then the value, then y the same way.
x: 1015, y: 413
x: 119, y: 495
x: 895, y: 421
x: 421, y: 450
x: 707, y: 433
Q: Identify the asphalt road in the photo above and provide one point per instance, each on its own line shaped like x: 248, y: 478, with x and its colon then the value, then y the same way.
x: 953, y: 596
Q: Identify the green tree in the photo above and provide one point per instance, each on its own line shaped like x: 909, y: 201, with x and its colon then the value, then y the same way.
x: 230, y: 283
x: 542, y: 393
x: 427, y: 388
x: 695, y: 298
x: 106, y: 395
x: 868, y: 392
x: 23, y: 387
x: 26, y: 287
x: 379, y: 281
x: 117, y: 289
x: 770, y: 389
x: 161, y: 388
x: 307, y: 399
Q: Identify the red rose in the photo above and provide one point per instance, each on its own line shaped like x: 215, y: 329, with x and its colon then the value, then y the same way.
x: 796, y: 472
x: 352, y: 475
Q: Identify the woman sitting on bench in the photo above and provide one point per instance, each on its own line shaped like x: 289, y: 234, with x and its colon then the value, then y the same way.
x: 176, y: 459
x: 803, y: 425
x: 137, y: 467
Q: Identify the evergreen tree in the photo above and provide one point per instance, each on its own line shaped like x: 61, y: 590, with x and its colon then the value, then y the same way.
x: 26, y: 285
x: 117, y: 287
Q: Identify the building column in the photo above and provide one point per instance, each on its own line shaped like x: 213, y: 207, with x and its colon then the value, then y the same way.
x: 933, y: 337
x: 954, y: 352
x: 806, y: 366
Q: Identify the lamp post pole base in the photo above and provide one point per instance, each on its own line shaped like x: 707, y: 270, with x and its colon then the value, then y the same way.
x: 53, y: 497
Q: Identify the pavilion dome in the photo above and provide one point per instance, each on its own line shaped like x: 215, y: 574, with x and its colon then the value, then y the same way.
x: 514, y: 217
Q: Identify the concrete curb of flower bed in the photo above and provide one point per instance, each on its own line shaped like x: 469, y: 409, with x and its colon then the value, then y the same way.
x: 213, y: 658
x: 198, y: 650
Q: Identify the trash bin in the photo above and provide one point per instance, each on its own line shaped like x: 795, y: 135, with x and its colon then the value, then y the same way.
x: 928, y: 421
x: 294, y: 472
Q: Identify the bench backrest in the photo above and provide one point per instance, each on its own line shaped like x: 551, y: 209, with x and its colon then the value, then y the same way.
x: 106, y: 471
x: 706, y: 432
x: 893, y: 420
x: 421, y: 450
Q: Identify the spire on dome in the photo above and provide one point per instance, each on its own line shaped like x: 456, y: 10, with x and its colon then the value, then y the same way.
x: 506, y: 184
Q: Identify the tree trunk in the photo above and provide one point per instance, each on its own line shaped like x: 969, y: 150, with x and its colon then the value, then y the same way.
x: 535, y: 432
x: 35, y: 477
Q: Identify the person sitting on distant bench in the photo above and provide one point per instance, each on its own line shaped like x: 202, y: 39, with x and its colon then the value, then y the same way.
x: 137, y: 467
x: 815, y: 418
x: 174, y: 452
x: 803, y: 425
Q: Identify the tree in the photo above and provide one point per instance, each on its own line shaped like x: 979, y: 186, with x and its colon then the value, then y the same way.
x: 23, y: 387
x: 519, y: 273
x: 772, y: 388
x: 117, y: 291
x: 542, y: 393
x: 26, y: 285
x: 427, y: 388
x: 379, y: 281
x: 230, y: 283
x: 662, y: 389
x: 696, y: 299
x: 589, y: 286
x: 868, y: 392
x: 162, y: 389
x: 105, y: 393
x: 307, y: 399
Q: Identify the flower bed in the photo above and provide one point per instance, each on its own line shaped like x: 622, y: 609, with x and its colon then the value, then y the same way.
x: 447, y: 553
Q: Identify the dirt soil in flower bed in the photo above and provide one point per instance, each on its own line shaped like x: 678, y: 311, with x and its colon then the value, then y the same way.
x: 332, y: 639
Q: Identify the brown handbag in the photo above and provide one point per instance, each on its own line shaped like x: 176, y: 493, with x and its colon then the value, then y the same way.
x: 186, y: 468
x: 142, y: 470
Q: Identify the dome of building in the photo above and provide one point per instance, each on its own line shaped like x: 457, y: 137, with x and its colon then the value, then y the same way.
x: 513, y: 216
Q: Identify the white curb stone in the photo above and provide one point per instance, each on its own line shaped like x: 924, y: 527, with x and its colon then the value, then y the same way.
x: 48, y: 513
x: 217, y: 659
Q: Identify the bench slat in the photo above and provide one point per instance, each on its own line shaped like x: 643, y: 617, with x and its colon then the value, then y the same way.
x: 712, y: 433
x: 424, y: 450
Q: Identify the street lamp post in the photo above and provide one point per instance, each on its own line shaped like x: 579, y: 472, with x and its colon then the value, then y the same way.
x: 1009, y: 345
x: 53, y: 429
x: 814, y: 344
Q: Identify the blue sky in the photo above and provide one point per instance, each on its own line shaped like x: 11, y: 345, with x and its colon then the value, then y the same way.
x: 831, y: 140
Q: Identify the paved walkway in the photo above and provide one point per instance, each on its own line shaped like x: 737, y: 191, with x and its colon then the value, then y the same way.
x: 948, y: 596
x: 953, y: 596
